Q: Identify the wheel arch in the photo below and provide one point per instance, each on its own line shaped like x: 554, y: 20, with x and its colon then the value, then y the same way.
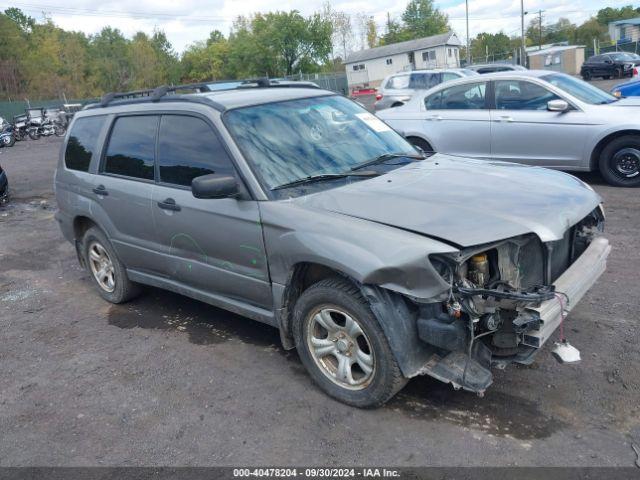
x: 603, y: 142
x: 395, y: 313
x: 301, y: 276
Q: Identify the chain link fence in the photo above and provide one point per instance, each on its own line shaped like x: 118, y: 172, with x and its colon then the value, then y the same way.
x: 336, y: 82
x: 8, y: 108
x: 608, y: 47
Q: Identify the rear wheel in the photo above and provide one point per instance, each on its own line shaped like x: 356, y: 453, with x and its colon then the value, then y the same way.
x: 33, y: 134
x: 421, y: 144
x: 619, y: 161
x: 342, y: 346
x: 107, y: 271
x: 586, y: 75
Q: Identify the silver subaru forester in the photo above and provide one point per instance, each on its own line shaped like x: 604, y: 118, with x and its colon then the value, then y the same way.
x: 296, y: 207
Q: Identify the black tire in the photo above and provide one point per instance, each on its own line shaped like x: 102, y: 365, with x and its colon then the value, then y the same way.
x: 33, y: 134
x: 420, y: 143
x: 385, y: 380
x: 10, y: 142
x: 586, y: 76
x: 59, y: 130
x: 618, y: 163
x: 124, y: 289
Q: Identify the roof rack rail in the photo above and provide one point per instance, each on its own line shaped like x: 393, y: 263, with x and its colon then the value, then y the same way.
x: 155, y: 94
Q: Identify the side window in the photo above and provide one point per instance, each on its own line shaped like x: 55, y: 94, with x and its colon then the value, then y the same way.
x: 519, y: 95
x: 464, y: 97
x: 189, y: 148
x: 398, y: 82
x: 424, y: 80
x: 82, y: 143
x: 446, y: 76
x: 131, y: 147
x: 433, y: 102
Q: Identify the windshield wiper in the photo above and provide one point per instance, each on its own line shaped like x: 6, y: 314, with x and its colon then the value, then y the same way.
x: 386, y: 156
x: 323, y: 176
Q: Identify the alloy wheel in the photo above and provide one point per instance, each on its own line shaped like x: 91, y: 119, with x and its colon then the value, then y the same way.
x: 102, y: 267
x: 340, y: 348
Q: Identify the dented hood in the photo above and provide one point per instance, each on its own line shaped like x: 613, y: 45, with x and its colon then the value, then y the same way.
x: 464, y: 202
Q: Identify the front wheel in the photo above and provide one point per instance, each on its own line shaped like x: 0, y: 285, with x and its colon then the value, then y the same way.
x: 619, y: 161
x: 342, y: 345
x: 33, y: 134
x: 59, y: 130
x: 586, y: 76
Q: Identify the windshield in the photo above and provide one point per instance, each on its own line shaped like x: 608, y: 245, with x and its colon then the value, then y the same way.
x: 291, y: 140
x: 579, y: 89
x: 621, y: 57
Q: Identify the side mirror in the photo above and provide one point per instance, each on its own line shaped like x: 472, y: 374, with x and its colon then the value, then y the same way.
x: 214, y: 186
x: 557, y: 106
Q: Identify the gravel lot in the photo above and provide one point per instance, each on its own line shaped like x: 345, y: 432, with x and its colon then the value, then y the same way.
x: 165, y: 380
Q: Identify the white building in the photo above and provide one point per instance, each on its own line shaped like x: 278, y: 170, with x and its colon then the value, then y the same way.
x: 370, y: 67
x: 624, y: 31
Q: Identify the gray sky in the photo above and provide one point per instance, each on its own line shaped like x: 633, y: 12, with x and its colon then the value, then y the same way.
x: 186, y: 21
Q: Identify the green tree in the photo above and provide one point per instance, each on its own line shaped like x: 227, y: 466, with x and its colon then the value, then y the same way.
x: 292, y: 41
x: 422, y: 19
x: 372, y: 32
x: 561, y: 31
x: 22, y: 20
x: 589, y: 30
x: 610, y: 14
x: 493, y: 44
x: 111, y: 62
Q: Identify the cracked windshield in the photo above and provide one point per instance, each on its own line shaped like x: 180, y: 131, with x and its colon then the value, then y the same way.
x: 325, y: 135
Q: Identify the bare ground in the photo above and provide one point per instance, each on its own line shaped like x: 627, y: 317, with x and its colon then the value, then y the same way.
x: 166, y: 380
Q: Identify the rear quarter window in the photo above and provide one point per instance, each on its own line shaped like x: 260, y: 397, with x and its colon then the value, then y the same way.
x: 83, y: 142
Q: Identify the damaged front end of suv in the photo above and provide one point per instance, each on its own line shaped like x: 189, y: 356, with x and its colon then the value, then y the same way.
x: 505, y: 299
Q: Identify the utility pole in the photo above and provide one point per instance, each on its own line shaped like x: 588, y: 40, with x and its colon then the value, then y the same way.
x: 466, y: 4
x: 540, y: 29
x: 523, y: 53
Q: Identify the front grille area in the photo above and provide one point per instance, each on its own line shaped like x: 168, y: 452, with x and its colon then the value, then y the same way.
x: 559, y: 255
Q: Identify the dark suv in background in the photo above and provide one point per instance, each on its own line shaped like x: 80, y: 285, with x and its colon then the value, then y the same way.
x: 617, y: 64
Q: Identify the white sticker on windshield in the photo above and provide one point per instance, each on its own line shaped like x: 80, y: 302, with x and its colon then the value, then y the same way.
x: 373, y: 122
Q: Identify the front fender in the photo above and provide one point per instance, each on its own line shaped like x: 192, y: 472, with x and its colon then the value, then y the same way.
x: 368, y: 252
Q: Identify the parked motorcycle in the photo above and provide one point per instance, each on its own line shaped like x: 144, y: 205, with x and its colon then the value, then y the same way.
x: 6, y: 134
x: 20, y: 127
x: 40, y: 125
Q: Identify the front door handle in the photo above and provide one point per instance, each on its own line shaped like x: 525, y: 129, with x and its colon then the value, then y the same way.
x: 506, y: 118
x: 169, y: 204
x: 100, y: 190
x: 435, y: 117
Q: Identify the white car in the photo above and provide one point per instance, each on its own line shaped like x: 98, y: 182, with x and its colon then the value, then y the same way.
x: 535, y: 117
x: 397, y: 89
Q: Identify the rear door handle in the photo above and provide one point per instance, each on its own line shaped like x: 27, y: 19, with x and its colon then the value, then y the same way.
x: 100, y: 190
x: 435, y: 117
x: 169, y: 204
x: 506, y: 118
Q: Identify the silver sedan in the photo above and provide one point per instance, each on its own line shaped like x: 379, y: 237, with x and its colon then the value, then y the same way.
x: 536, y: 117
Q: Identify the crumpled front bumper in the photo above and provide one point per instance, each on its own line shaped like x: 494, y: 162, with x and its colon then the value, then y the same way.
x: 571, y: 286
